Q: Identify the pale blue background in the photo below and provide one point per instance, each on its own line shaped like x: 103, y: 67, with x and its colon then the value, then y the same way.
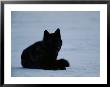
x: 80, y: 32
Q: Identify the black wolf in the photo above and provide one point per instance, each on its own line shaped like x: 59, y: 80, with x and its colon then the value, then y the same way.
x: 43, y: 54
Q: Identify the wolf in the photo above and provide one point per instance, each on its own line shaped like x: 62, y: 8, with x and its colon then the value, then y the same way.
x: 43, y: 54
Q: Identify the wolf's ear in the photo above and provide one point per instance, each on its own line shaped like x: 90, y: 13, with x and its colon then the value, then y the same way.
x: 46, y: 34
x: 57, y: 32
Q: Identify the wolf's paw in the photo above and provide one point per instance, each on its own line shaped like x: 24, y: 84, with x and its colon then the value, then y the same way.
x: 63, y: 63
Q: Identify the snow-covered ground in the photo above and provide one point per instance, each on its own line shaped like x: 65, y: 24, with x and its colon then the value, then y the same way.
x: 80, y: 32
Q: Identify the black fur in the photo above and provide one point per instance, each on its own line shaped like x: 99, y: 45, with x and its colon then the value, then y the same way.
x: 43, y: 54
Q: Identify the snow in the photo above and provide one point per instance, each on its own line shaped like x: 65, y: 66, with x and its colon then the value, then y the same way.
x: 80, y: 32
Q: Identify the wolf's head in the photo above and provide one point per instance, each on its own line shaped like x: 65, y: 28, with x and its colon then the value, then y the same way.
x: 53, y: 40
